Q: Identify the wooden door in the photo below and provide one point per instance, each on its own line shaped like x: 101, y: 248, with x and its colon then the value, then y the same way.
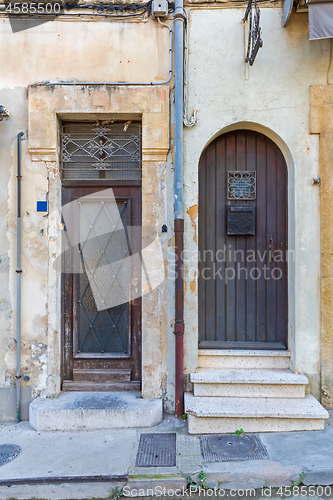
x: 243, y: 268
x: 101, y: 320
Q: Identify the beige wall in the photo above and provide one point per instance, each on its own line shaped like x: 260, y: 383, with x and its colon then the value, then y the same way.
x: 322, y: 123
x: 84, y: 51
x: 67, y: 50
x: 274, y: 100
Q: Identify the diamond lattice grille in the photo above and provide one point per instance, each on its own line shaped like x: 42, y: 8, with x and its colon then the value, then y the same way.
x: 111, y: 151
x: 102, y: 329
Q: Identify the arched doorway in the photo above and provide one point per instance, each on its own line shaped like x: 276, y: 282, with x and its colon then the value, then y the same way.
x: 243, y: 235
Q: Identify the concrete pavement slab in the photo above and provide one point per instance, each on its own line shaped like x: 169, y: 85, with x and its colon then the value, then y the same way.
x: 293, y: 457
x: 311, y: 450
x: 59, y: 491
x: 75, y: 453
x: 308, y: 448
x: 248, y: 474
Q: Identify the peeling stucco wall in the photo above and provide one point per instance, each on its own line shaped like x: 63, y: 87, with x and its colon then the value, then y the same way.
x: 13, y: 99
x: 274, y: 99
x: 321, y: 123
x: 70, y: 50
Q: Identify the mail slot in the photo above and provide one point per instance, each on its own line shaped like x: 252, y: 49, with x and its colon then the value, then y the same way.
x: 241, y: 220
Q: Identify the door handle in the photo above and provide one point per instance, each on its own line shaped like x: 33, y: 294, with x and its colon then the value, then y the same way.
x: 271, y: 249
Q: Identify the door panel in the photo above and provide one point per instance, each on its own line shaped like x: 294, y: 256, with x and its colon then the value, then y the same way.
x: 242, y: 277
x: 102, y: 323
x: 100, y: 329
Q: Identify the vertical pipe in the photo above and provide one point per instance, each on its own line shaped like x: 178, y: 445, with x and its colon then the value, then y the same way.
x: 179, y: 318
x: 179, y: 217
x: 18, y: 282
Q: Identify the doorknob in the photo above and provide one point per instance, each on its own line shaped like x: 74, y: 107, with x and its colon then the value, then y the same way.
x: 135, y: 283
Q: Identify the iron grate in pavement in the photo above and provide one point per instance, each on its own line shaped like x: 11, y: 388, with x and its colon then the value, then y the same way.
x: 8, y: 452
x: 157, y: 450
x: 226, y: 448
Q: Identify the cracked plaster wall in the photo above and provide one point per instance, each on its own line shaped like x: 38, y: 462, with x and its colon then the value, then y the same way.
x: 275, y: 97
x: 62, y: 50
x: 321, y: 123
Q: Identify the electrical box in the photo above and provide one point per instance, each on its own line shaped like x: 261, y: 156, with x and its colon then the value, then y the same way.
x: 159, y: 8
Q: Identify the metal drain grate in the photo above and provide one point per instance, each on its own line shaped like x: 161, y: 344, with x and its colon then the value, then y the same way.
x: 8, y: 452
x: 226, y: 447
x: 157, y: 450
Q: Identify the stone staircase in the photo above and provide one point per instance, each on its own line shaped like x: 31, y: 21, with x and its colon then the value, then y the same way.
x: 250, y: 390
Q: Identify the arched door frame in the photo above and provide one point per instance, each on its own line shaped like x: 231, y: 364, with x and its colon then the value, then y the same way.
x: 291, y: 214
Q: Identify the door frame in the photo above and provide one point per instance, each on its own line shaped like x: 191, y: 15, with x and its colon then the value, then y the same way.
x: 200, y: 141
x: 208, y: 166
x: 68, y: 340
x: 47, y: 107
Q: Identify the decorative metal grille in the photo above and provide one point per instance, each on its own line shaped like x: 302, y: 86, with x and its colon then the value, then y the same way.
x: 110, y: 151
x: 102, y: 330
x: 242, y: 185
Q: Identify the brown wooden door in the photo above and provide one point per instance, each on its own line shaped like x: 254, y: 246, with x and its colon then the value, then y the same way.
x: 243, y: 292
x: 101, y: 320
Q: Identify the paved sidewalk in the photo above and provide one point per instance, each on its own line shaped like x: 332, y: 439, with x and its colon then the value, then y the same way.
x: 294, y: 457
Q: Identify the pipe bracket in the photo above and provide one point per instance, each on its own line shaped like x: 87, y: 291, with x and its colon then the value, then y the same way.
x: 179, y: 328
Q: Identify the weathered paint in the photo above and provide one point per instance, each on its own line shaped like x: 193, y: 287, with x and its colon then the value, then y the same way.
x: 321, y: 123
x: 193, y: 213
x: 274, y: 100
x: 74, y: 50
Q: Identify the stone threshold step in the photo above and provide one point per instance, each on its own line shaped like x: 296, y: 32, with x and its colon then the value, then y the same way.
x: 305, y: 408
x: 247, y: 376
x: 69, y: 385
x: 101, y: 376
x: 94, y: 410
x: 218, y: 415
x: 242, y: 352
x: 225, y: 358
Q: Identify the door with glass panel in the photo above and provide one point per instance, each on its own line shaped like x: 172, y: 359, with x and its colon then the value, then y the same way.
x: 101, y: 265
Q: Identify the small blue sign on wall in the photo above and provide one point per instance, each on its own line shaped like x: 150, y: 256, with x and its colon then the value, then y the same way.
x: 41, y: 206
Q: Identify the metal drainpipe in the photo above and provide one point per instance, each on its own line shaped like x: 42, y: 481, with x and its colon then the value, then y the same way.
x: 179, y: 217
x: 18, y: 282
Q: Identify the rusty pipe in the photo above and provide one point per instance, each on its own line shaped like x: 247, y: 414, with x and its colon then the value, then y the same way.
x: 179, y: 318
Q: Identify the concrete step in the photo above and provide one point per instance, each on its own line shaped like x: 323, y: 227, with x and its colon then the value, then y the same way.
x: 207, y: 415
x: 94, y: 410
x: 69, y: 385
x: 82, y: 375
x: 249, y: 383
x: 224, y: 358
